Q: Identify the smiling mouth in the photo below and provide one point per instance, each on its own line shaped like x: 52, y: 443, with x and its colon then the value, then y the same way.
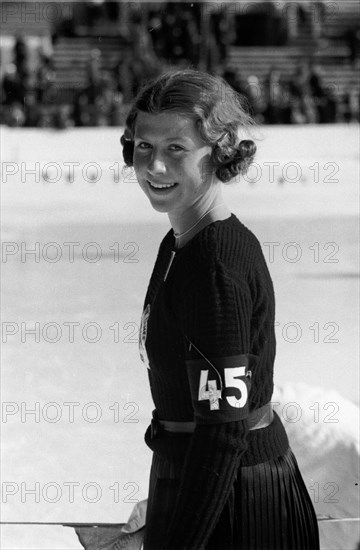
x: 161, y: 186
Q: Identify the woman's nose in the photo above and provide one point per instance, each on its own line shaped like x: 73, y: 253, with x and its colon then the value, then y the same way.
x: 157, y: 164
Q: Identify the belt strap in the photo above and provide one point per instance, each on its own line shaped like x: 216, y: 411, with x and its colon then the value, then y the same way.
x: 259, y: 418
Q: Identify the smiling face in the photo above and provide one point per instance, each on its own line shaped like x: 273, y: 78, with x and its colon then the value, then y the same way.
x: 171, y: 161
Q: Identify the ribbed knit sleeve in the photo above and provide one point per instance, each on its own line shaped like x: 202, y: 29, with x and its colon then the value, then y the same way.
x: 218, y: 322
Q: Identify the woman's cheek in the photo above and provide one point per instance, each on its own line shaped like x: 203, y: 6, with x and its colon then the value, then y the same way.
x: 139, y: 163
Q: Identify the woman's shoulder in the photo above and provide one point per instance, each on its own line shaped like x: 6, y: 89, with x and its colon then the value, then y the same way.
x: 229, y: 242
x: 227, y: 246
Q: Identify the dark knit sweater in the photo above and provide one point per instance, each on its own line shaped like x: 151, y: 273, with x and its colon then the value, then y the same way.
x: 218, y: 291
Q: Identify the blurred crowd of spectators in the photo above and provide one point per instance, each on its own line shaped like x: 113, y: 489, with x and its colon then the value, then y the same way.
x: 171, y: 37
x: 301, y: 99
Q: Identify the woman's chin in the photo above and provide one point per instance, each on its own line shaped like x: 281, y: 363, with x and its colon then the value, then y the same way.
x: 164, y: 208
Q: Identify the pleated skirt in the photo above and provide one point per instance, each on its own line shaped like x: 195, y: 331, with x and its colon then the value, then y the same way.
x: 269, y: 508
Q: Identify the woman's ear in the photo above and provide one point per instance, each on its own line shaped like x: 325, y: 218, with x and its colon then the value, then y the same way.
x: 208, y: 167
x: 128, y: 150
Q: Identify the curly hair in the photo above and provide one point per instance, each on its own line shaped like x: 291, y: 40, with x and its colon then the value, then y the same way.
x: 220, y: 112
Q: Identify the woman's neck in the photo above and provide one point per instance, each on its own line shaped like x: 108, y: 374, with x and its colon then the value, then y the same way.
x: 195, y: 219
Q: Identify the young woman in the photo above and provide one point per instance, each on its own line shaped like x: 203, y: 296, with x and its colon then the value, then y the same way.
x: 223, y: 475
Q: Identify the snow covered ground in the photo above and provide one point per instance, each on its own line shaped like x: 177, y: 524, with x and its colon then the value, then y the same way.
x: 95, y: 239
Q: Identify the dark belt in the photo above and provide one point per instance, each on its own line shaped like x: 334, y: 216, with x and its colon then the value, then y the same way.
x: 259, y: 418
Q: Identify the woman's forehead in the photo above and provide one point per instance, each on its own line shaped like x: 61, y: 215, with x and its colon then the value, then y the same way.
x: 169, y: 125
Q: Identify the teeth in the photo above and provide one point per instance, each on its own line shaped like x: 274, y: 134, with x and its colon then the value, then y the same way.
x: 157, y: 186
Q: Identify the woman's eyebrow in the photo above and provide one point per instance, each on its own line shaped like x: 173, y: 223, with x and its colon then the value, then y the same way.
x: 174, y: 138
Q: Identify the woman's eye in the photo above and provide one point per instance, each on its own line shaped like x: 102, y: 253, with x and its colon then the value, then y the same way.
x: 143, y: 146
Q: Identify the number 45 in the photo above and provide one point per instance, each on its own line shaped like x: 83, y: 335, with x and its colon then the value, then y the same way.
x: 232, y: 380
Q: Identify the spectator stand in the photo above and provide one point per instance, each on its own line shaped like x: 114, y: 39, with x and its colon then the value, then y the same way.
x: 295, y: 61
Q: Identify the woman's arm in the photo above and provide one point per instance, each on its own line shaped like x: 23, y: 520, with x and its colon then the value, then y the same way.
x: 208, y: 475
x: 214, y: 311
